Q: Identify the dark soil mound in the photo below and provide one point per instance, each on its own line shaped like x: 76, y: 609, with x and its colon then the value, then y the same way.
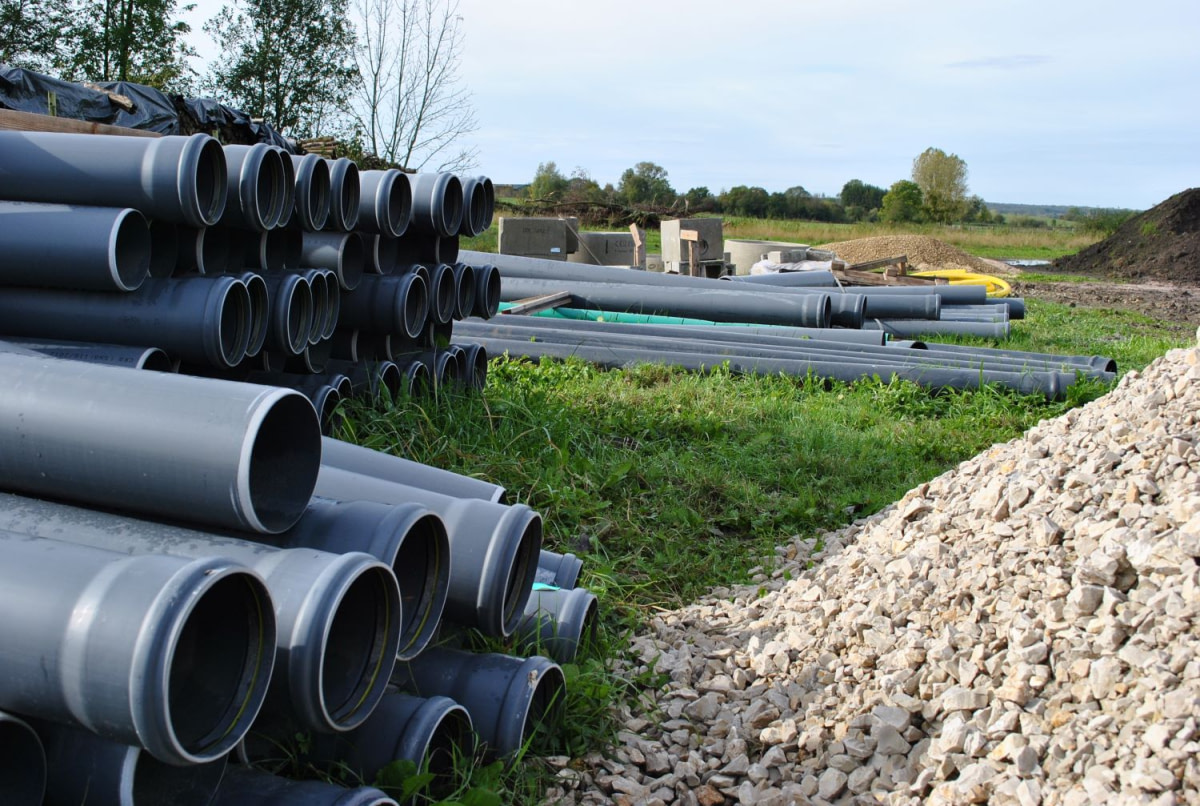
x: 1162, y: 243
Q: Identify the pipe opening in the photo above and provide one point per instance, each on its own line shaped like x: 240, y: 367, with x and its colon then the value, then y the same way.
x: 389, y: 377
x: 155, y: 360
x: 350, y: 261
x: 350, y: 193
x: 273, y: 250
x: 399, y: 205
x: 343, y: 385
x: 326, y: 402
x: 478, y: 360
x: 156, y: 782
x: 284, y: 461
x: 129, y: 251
x: 418, y: 378
x: 318, y: 194
x: 287, y: 190
x: 545, y: 707
x: 445, y: 294
x: 421, y: 570
x: 220, y: 665
x: 464, y: 281
x: 522, y: 572
x: 234, y: 328
x: 210, y: 183
x: 415, y: 302
x: 487, y: 293
x: 464, y: 366
x: 477, y: 209
x: 267, y: 183
x: 213, y: 250
x: 450, y: 739
x: 22, y: 764
x: 447, y: 369
x: 451, y: 206
x: 299, y: 315
x: 333, y: 303
x: 260, y: 306
x: 354, y: 666
x: 318, y: 284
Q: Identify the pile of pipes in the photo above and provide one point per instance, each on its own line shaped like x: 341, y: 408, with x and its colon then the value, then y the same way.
x: 627, y: 317
x: 240, y: 262
x: 798, y: 299
x: 191, y: 575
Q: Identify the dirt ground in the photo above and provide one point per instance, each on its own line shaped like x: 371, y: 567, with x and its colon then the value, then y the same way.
x: 1166, y: 301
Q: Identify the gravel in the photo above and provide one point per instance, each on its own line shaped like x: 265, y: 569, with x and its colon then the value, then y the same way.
x: 923, y: 252
x: 1020, y: 630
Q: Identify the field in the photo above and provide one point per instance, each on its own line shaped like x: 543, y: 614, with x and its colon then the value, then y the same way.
x: 1046, y: 243
x: 668, y: 484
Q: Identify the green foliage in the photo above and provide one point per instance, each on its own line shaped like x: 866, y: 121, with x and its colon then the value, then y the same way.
x: 942, y: 178
x: 288, y: 61
x: 902, y: 203
x: 1149, y: 229
x: 548, y: 183
x: 129, y: 40
x: 857, y: 193
x: 1099, y: 221
x: 745, y: 201
x: 33, y: 31
x: 645, y: 184
x: 700, y: 200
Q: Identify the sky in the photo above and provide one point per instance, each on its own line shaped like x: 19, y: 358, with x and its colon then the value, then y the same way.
x: 1051, y: 102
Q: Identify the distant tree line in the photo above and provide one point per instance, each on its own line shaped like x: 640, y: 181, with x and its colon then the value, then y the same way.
x: 937, y: 192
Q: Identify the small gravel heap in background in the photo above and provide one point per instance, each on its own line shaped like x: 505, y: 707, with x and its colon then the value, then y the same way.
x: 923, y: 252
x: 1020, y: 630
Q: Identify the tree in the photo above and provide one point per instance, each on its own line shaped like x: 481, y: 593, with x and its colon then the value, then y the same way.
x: 129, y: 40
x: 288, y: 61
x: 582, y: 188
x: 857, y: 193
x: 942, y: 178
x: 548, y: 183
x: 410, y: 107
x: 30, y: 32
x: 901, y: 203
x: 645, y: 183
x: 750, y: 202
x: 699, y: 200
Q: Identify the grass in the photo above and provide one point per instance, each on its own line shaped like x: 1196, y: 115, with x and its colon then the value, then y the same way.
x: 1052, y: 277
x: 991, y: 242
x: 669, y: 483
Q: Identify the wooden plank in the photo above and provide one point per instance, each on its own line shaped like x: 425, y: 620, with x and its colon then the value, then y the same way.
x: 12, y: 120
x: 689, y: 235
x: 540, y: 303
x: 854, y: 277
x: 875, y: 264
x: 639, y: 244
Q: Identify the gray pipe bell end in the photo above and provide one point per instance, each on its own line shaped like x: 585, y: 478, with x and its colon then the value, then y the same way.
x: 291, y: 313
x: 477, y: 361
x: 559, y: 570
x: 558, y: 623
x: 409, y: 538
x: 312, y: 191
x: 510, y: 699
x: 318, y: 286
x: 341, y: 252
x: 22, y: 764
x: 243, y: 786
x: 487, y: 291
x: 257, y: 187
x: 464, y: 281
x: 385, y: 203
x: 476, y: 214
x: 186, y: 683
x: 437, y: 204
x: 88, y: 769
x: 344, y: 194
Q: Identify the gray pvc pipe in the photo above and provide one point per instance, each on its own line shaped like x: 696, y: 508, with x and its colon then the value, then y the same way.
x: 344, y: 346
x: 66, y: 246
x: 367, y: 462
x: 382, y: 254
x: 177, y: 179
x: 487, y: 290
x: 430, y: 732
x: 22, y: 764
x: 203, y: 250
x: 409, y: 538
x: 260, y: 311
x: 793, y: 279
x: 164, y: 248
x: 1052, y: 384
x: 448, y: 250
x: 338, y: 615
x: 288, y: 202
x: 558, y: 622
x: 342, y: 252
x: 489, y: 195
x: 437, y: 204
x: 418, y: 380
x: 477, y: 215
x: 200, y: 319
x: 463, y: 376
x: 257, y: 190
x: 318, y: 286
x: 493, y: 547
x: 389, y: 377
x: 443, y: 293
x: 312, y: 359
x: 464, y: 284
x: 291, y: 313
x: 808, y: 310
x: 344, y: 194
x: 508, y: 698
x: 906, y: 329
x: 385, y: 203
x: 160, y: 625
x: 362, y: 376
x: 243, y: 786
x: 559, y: 570
x: 312, y: 191
x: 252, y: 466
x: 1095, y: 362
x: 89, y: 770
x: 477, y: 363
x: 115, y: 355
x: 950, y: 294
x: 387, y: 304
x: 1015, y: 305
x: 333, y: 307
x: 889, y: 306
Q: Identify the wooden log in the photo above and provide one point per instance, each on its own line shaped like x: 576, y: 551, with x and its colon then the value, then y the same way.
x: 11, y: 120
x: 534, y: 304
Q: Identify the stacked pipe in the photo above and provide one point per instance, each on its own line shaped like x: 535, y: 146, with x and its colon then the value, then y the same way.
x: 702, y: 324
x: 264, y: 608
x: 242, y: 262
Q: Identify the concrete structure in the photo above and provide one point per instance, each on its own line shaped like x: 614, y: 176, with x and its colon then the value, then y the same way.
x: 744, y: 253
x: 606, y: 249
x: 675, y: 250
x: 533, y: 237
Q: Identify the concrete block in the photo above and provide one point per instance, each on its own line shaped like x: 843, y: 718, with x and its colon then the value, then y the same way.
x: 605, y: 249
x: 572, y: 233
x: 745, y: 253
x: 533, y: 237
x: 675, y: 253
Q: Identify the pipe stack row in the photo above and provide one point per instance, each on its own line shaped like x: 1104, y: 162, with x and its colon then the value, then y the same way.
x: 243, y: 262
x: 191, y: 575
x: 783, y: 323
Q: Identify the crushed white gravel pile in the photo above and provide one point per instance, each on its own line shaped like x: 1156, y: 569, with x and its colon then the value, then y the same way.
x: 1021, y: 630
